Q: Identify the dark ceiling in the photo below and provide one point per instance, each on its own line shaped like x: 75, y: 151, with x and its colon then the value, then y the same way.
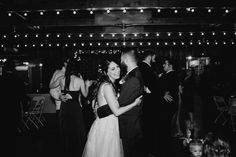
x: 27, y: 18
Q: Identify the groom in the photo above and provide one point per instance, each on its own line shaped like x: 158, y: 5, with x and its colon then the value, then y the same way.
x: 130, y: 122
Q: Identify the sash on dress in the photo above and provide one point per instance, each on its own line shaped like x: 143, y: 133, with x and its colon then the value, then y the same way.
x: 104, y: 111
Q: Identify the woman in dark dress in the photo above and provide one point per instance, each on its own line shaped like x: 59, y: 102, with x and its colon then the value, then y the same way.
x: 188, y: 94
x: 71, y: 115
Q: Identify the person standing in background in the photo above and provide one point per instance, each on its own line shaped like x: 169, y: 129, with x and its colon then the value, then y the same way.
x: 56, y: 91
x: 150, y: 102
x: 71, y: 114
x: 13, y: 94
x: 169, y: 106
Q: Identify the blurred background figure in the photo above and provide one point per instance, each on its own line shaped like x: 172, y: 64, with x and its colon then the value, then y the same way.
x: 196, y: 148
x: 13, y: 94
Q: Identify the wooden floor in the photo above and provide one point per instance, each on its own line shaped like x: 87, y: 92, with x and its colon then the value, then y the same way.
x: 44, y: 141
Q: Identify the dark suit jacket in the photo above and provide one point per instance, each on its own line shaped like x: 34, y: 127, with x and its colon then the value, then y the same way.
x: 149, y: 77
x: 130, y: 122
x: 170, y: 82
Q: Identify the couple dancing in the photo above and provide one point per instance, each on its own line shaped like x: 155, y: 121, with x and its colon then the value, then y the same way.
x: 116, y: 132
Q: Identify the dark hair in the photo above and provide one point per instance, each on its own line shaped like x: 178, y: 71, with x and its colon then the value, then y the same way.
x: 103, y: 77
x: 71, y: 69
x: 147, y: 53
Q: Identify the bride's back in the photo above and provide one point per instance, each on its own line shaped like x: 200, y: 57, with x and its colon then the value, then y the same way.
x: 101, y: 99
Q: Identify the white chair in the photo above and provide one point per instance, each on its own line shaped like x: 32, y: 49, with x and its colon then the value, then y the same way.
x: 221, y: 107
x: 34, y: 116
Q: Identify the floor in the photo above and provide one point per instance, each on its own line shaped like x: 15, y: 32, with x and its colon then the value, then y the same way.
x: 44, y: 141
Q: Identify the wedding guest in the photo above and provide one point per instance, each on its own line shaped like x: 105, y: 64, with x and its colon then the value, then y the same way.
x: 55, y: 92
x: 169, y: 106
x: 71, y: 115
x: 13, y: 93
x: 196, y: 148
x: 151, y: 101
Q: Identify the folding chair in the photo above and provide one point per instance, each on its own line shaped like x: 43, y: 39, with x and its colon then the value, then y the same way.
x: 232, y: 112
x: 22, y: 124
x: 221, y: 107
x: 34, y: 115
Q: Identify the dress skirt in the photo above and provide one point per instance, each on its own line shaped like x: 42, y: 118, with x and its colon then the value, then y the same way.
x: 72, y: 128
x: 103, y: 138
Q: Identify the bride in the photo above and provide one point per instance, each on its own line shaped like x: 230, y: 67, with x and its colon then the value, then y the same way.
x: 103, y: 138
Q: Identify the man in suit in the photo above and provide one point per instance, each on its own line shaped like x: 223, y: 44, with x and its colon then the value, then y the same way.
x: 130, y: 122
x: 170, y: 85
x: 151, y: 102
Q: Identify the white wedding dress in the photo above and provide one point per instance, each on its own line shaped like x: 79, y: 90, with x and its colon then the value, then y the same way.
x: 104, y: 138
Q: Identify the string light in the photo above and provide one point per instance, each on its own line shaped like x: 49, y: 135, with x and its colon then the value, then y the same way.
x: 127, y: 43
x: 124, y: 11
